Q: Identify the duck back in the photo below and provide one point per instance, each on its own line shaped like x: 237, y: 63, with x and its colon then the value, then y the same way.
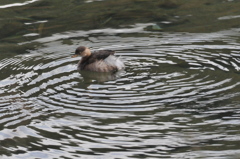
x: 109, y: 64
x: 101, y: 61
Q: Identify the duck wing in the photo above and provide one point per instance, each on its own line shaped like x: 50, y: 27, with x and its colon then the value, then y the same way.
x: 100, y: 55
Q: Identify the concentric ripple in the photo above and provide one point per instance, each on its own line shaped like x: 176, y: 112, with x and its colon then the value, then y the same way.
x: 177, y: 94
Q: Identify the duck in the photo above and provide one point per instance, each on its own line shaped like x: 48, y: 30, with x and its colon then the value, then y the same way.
x: 98, y: 61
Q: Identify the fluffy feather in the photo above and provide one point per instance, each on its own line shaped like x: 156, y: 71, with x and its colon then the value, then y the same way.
x: 99, y: 61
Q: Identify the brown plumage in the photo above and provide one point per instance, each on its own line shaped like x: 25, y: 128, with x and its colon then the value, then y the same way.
x: 98, y: 61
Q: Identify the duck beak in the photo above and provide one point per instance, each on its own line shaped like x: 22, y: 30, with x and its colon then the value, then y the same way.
x: 75, y: 55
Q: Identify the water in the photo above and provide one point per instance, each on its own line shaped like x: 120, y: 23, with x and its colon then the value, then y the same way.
x: 178, y: 97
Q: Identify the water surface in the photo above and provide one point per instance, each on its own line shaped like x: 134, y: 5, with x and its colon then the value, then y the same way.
x: 178, y: 96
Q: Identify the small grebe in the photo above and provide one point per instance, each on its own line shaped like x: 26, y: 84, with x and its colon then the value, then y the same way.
x: 98, y: 61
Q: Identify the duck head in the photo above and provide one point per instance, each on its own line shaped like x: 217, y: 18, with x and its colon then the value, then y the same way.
x: 82, y: 51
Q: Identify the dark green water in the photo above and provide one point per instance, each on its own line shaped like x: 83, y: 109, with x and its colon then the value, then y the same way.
x: 178, y: 96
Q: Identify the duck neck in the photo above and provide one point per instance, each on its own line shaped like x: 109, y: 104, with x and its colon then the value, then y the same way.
x: 84, y: 59
x: 84, y: 62
x: 87, y: 52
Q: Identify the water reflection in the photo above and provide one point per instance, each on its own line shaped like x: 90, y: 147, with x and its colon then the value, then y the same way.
x: 178, y: 96
x: 17, y: 4
x: 90, y: 77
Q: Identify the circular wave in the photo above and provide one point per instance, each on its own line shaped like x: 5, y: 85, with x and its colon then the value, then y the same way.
x: 137, y: 112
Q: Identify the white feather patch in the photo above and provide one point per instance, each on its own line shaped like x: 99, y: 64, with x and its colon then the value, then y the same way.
x: 111, y: 63
x: 114, y: 62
